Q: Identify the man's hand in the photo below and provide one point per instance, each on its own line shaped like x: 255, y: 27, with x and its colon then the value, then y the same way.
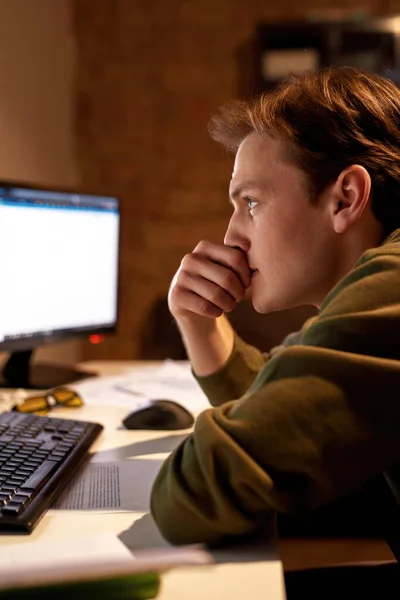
x: 210, y: 281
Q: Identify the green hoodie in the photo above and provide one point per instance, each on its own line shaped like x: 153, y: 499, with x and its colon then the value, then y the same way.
x: 300, y: 428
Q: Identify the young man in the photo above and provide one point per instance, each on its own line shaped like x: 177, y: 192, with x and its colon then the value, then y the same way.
x: 315, y: 192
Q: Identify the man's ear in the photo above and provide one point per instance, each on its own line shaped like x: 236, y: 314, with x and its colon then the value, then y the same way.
x: 351, y: 192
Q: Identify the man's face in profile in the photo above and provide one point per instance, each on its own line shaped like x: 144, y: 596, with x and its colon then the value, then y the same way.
x: 289, y: 241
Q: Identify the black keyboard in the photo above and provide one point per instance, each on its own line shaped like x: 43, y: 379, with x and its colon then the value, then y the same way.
x: 38, y: 455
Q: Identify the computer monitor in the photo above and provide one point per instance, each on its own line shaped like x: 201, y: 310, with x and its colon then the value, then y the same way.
x: 59, y: 256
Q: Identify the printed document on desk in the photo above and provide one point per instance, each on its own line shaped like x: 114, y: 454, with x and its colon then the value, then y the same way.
x: 170, y: 380
x: 111, y: 487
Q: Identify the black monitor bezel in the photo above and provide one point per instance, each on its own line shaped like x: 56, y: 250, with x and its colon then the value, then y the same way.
x: 61, y: 335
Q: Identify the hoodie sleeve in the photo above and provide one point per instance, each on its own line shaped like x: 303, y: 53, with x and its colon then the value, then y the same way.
x: 240, y: 371
x: 236, y: 376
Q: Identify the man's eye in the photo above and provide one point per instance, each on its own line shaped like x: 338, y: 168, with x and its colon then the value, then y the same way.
x: 251, y: 203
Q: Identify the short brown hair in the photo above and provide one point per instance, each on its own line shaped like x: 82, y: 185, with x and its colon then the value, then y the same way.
x: 331, y: 119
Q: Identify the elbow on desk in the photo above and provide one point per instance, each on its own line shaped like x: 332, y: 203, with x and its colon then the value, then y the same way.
x: 178, y: 524
x: 172, y: 526
x: 162, y: 511
x: 179, y: 531
x: 173, y: 509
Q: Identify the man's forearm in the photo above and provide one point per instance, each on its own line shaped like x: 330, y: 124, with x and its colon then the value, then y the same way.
x: 208, y: 345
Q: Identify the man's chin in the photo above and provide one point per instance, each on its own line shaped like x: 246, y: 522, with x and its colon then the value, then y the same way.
x: 264, y: 302
x: 264, y: 307
x: 270, y: 305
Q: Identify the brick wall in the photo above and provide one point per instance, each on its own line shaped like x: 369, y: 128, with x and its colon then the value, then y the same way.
x: 150, y: 75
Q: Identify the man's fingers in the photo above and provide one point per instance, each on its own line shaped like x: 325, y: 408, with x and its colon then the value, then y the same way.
x: 226, y: 256
x: 222, y: 276
x: 208, y: 290
x: 196, y: 304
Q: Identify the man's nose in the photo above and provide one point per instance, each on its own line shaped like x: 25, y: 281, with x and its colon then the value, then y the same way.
x: 235, y: 238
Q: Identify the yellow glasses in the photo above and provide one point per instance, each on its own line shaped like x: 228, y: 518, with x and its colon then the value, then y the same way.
x: 40, y: 405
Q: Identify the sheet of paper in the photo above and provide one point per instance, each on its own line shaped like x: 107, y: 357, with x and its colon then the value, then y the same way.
x: 111, y: 487
x: 171, y: 380
x: 89, y: 557
x: 89, y: 548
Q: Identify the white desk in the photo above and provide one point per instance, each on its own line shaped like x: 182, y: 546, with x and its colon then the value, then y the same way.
x: 252, y: 572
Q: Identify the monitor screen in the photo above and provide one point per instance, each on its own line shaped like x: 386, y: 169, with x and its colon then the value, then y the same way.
x: 59, y: 265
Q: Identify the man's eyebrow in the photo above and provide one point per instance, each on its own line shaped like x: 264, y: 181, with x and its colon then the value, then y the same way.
x: 238, y: 190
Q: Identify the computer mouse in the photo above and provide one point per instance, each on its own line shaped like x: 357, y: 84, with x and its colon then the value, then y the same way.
x: 159, y: 414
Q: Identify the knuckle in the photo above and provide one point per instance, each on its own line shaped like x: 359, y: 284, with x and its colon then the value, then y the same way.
x: 186, y: 261
x: 177, y: 295
x: 179, y: 289
x: 237, y: 260
x: 202, y: 245
x: 230, y: 304
x: 217, y: 294
x: 209, y: 310
x: 222, y: 299
x: 189, y: 266
x: 228, y: 278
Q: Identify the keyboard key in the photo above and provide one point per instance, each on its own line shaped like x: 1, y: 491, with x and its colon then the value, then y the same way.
x: 24, y: 493
x: 20, y: 499
x: 6, y: 438
x: 48, y: 446
x: 65, y: 445
x: 18, y: 478
x: 40, y: 453
x: 8, y: 488
x: 15, y: 483
x: 32, y: 463
x: 59, y: 453
x: 15, y: 465
x: 54, y: 459
x: 7, y: 471
x: 39, y: 477
x: 12, y: 509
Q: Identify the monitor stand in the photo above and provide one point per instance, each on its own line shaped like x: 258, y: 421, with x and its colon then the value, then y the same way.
x: 18, y: 372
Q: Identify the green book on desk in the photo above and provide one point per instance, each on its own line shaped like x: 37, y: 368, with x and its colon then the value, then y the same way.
x: 142, y: 586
